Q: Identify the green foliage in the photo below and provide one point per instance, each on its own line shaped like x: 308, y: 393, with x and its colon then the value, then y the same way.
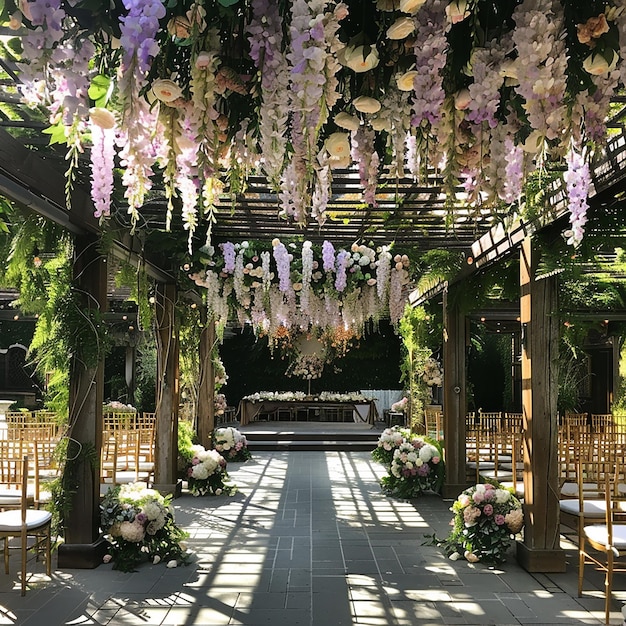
x: 413, y: 328
x: 141, y: 288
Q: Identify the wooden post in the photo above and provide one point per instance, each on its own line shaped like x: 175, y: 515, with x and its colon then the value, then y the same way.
x: 540, y: 550
x: 454, y: 400
x: 83, y: 547
x: 166, y: 435
x: 206, y: 388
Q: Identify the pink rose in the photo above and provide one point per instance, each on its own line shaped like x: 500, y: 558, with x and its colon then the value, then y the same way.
x: 488, y: 510
x: 478, y: 497
x: 499, y: 519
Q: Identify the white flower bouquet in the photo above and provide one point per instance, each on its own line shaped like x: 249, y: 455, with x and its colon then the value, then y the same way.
x: 206, y: 472
x: 416, y: 466
x: 388, y: 442
x: 138, y: 523
x: 231, y: 443
x: 433, y: 374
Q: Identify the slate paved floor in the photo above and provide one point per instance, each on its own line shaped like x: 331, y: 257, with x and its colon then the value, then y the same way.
x: 309, y: 540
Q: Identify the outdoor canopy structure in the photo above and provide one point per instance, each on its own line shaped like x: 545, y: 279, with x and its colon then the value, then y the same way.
x: 466, y: 125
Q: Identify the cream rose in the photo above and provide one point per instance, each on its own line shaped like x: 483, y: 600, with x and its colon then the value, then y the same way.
x: 411, y: 6
x: 596, y: 64
x: 365, y: 104
x: 349, y: 122
x: 462, y: 100
x: 166, y: 90
x: 401, y: 28
x: 405, y: 81
x: 457, y: 11
x: 338, y: 145
x: 361, y: 58
x: 533, y: 142
x: 102, y: 117
x: 380, y: 123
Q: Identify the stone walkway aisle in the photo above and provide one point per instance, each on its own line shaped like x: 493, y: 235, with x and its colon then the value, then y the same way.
x: 309, y: 540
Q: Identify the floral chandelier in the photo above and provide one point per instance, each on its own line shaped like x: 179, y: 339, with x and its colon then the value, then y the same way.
x: 196, y: 96
x: 279, y: 289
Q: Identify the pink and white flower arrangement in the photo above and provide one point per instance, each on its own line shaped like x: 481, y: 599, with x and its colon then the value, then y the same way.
x: 486, y: 519
x: 415, y: 463
x: 206, y: 472
x: 231, y: 443
x: 138, y: 523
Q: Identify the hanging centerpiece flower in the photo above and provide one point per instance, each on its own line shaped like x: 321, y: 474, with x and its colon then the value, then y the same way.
x: 317, y: 289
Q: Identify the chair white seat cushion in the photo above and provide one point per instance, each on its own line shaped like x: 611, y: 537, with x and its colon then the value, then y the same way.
x: 598, y: 534
x: 11, y: 521
x: 571, y: 489
x: 591, y: 508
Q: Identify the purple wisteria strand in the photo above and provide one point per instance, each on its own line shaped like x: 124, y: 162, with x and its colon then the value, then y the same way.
x: 364, y: 153
x: 578, y: 181
x: 430, y: 48
x: 138, y: 30
x: 102, y: 158
x: 230, y: 255
x: 283, y: 264
x: 484, y: 92
x: 328, y: 256
x: 541, y: 66
x: 596, y: 106
x: 266, y: 50
x: 397, y: 108
x: 313, y: 91
x: 341, y: 279
x: 514, y: 178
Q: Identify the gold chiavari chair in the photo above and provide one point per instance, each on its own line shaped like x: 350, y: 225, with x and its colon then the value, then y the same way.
x: 513, y: 422
x: 12, y: 453
x: 433, y: 423
x: 607, y: 543
x: 602, y: 423
x: 31, y: 526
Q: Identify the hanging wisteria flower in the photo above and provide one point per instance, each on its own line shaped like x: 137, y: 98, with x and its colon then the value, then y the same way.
x: 578, y: 182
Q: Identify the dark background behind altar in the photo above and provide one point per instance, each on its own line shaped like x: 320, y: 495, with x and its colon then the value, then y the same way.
x: 373, y: 364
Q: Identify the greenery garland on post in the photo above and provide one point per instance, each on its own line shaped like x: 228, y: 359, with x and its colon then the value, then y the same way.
x: 413, y: 328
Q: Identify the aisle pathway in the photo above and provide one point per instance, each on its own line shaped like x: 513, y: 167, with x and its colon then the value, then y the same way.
x: 309, y: 540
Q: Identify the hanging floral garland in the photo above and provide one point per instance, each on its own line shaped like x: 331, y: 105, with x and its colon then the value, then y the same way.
x: 304, y: 287
x: 202, y: 94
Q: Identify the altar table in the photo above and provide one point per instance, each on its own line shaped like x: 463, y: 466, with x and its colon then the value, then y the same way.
x: 363, y: 411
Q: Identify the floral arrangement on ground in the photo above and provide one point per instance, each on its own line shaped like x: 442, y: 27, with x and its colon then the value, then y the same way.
x: 415, y: 463
x: 205, y: 472
x: 138, y: 523
x: 486, y: 519
x: 231, y: 443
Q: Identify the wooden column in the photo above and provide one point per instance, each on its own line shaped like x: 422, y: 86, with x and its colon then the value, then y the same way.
x: 83, y: 547
x: 166, y: 434
x: 540, y: 551
x: 206, y: 388
x: 454, y: 400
